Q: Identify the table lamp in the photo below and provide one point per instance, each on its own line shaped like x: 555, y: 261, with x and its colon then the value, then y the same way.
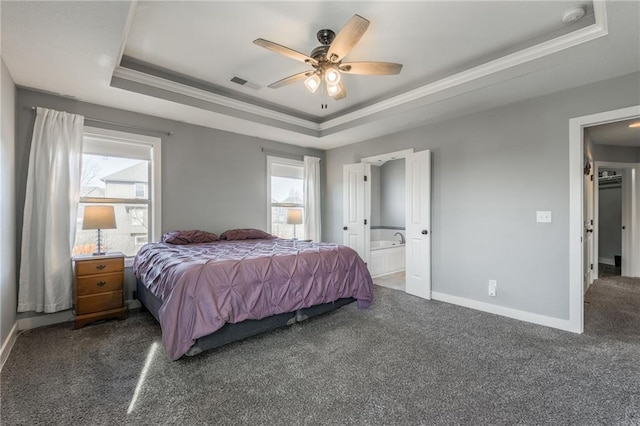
x: 99, y: 217
x: 294, y: 217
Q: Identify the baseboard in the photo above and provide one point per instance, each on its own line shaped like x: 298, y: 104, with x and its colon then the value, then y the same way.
x: 553, y: 322
x: 44, y: 320
x: 7, y: 345
x: 606, y: 261
x: 133, y: 304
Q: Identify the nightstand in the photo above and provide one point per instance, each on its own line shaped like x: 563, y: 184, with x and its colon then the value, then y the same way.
x: 99, y: 287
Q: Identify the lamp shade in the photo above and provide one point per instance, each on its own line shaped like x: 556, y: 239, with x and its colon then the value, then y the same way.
x: 99, y: 217
x: 294, y: 216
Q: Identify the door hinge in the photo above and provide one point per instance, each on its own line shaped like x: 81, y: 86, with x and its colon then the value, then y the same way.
x: 365, y: 221
x: 591, y: 221
x: 591, y: 267
x: 365, y: 178
x: 591, y: 178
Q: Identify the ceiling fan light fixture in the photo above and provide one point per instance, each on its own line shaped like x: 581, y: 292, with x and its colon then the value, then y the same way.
x: 332, y: 76
x: 334, y: 89
x: 312, y: 82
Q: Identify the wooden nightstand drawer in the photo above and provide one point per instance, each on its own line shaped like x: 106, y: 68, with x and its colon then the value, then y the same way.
x: 99, y: 283
x: 99, y: 266
x: 99, y: 287
x: 99, y: 302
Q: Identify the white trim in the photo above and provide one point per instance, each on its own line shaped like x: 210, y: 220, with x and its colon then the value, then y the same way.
x: 44, y: 320
x: 576, y: 163
x: 566, y: 41
x: 183, y: 89
x: 547, y: 321
x: 131, y: 14
x: 8, y: 343
x: 132, y: 304
x: 607, y: 261
x: 583, y: 35
x: 386, y: 157
x: 155, y: 143
x: 271, y: 159
x: 632, y: 246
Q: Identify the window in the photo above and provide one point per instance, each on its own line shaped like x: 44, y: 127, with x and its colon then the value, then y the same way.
x: 285, y: 197
x: 122, y: 170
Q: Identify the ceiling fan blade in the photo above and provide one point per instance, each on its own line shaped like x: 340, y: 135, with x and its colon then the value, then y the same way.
x: 341, y: 94
x: 347, y: 38
x: 283, y: 50
x: 371, y: 68
x: 289, y: 80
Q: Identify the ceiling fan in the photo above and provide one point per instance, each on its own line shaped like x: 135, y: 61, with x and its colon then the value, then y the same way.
x: 326, y: 59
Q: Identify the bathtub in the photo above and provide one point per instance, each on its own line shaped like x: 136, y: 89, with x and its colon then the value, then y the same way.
x: 382, y: 244
x: 385, y: 257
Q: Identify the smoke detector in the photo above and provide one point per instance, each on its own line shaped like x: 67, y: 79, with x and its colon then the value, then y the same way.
x: 574, y: 14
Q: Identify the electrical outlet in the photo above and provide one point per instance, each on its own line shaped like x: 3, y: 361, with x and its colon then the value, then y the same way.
x: 493, y: 288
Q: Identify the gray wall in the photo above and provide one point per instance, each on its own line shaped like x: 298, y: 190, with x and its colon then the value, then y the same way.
x: 8, y: 298
x: 211, y: 179
x: 609, y: 222
x: 491, y: 172
x: 392, y: 205
x: 617, y: 154
x: 375, y: 196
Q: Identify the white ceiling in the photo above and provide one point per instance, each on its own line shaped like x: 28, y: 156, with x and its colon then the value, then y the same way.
x: 459, y: 57
x: 617, y: 134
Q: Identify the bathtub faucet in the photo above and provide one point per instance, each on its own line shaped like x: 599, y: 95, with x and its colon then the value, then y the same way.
x: 401, y: 237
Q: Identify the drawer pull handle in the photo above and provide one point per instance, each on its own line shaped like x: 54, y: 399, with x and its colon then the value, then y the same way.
x: 101, y: 283
x: 101, y: 267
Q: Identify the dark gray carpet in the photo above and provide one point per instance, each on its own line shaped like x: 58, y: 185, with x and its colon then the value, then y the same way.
x: 404, y: 361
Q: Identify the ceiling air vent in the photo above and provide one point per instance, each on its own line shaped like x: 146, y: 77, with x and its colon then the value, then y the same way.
x: 242, y: 82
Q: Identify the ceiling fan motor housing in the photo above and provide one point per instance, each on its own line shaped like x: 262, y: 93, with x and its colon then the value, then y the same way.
x: 326, y: 36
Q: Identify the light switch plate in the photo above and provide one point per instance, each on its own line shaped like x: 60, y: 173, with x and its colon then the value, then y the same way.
x: 543, y: 216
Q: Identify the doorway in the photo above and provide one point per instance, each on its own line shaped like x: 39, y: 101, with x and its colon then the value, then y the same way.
x: 403, y: 240
x: 580, y: 161
x: 610, y: 227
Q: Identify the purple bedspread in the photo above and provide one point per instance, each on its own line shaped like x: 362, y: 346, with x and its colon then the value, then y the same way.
x: 204, y: 286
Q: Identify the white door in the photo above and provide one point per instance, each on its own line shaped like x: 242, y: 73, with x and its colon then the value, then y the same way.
x: 587, y: 235
x: 356, y: 216
x: 628, y: 212
x: 418, y: 224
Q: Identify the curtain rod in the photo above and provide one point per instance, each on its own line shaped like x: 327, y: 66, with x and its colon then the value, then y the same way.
x: 126, y: 126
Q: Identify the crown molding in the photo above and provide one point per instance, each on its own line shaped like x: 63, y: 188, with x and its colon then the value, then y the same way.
x: 583, y: 35
x: 575, y: 38
x: 203, y: 95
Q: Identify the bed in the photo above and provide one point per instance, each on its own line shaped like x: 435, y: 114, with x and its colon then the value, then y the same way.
x: 209, y: 292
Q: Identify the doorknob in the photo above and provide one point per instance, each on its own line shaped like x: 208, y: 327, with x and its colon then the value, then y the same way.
x: 425, y: 232
x: 589, y: 230
x: 624, y: 227
x: 344, y: 228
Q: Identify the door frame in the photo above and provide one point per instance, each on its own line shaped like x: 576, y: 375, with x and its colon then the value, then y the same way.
x: 628, y: 209
x: 576, y: 162
x: 373, y: 160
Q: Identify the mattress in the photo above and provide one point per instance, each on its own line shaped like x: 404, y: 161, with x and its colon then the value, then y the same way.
x: 202, y: 287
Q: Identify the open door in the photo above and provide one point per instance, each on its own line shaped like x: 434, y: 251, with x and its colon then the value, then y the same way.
x: 418, y: 224
x: 589, y: 265
x: 629, y: 206
x: 356, y: 193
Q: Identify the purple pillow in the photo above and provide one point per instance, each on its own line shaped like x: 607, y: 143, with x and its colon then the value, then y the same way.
x: 188, y: 237
x: 246, y: 234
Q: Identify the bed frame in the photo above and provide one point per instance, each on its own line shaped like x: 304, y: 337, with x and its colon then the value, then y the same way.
x: 233, y: 332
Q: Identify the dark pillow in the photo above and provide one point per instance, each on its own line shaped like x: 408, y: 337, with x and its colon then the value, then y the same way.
x: 246, y: 234
x: 188, y: 237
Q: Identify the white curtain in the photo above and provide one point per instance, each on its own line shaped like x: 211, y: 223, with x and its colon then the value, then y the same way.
x: 50, y: 212
x: 312, y: 216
